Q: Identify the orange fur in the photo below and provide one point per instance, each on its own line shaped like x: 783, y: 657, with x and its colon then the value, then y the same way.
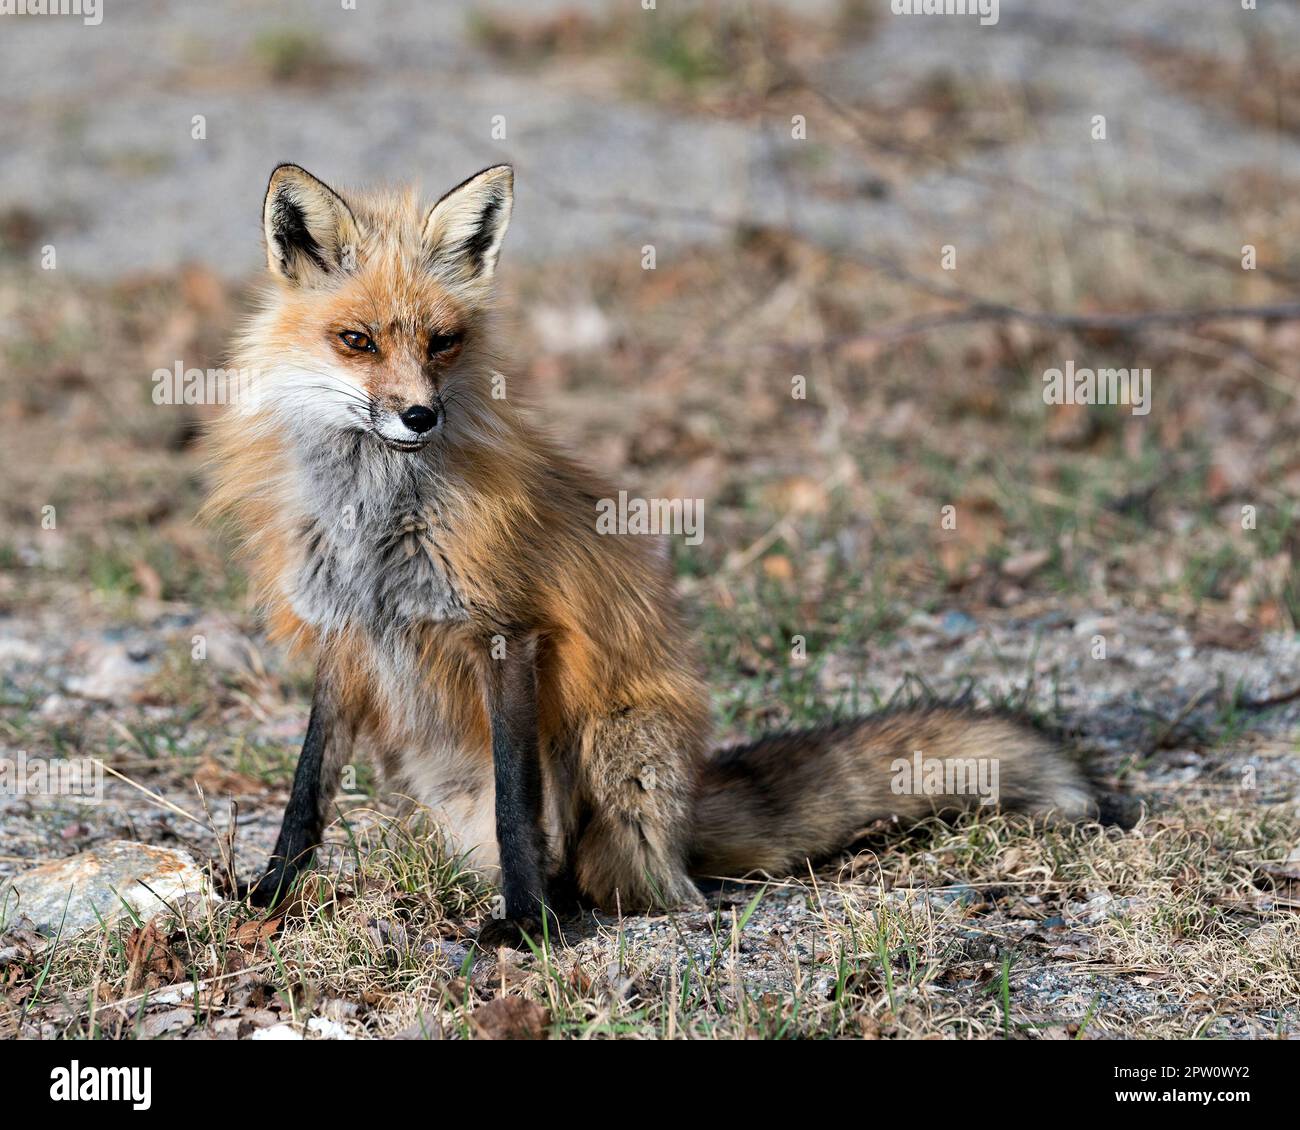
x: 622, y: 712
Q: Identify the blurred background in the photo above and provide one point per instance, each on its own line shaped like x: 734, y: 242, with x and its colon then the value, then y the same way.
x: 917, y: 215
x: 804, y: 174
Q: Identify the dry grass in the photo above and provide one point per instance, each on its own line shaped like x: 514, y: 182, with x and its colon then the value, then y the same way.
x: 988, y: 929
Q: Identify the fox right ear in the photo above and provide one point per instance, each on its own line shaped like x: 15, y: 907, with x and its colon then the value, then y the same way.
x: 310, y: 231
x: 464, y: 230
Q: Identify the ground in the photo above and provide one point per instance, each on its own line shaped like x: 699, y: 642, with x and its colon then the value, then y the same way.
x: 1127, y: 579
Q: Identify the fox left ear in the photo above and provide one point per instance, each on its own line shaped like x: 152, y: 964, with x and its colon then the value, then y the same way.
x: 310, y: 231
x: 464, y: 230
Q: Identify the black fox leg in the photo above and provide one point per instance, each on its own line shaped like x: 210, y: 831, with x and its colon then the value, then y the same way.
x: 563, y: 894
x: 517, y: 771
x: 315, y: 782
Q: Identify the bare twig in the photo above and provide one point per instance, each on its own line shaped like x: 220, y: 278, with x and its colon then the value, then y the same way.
x: 161, y: 801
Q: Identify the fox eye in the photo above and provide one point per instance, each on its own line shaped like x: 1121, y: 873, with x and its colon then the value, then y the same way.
x: 440, y: 343
x: 355, y: 339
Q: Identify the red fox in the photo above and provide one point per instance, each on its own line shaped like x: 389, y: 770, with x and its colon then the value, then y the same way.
x: 526, y: 676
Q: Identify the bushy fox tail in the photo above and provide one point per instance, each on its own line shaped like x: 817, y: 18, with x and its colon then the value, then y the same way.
x: 774, y: 803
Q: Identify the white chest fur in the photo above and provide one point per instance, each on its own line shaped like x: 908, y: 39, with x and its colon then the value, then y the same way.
x: 373, y: 543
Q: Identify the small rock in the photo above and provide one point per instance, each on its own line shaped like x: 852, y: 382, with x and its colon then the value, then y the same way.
x: 327, y: 1029
x: 17, y: 653
x: 224, y: 646
x: 961, y: 894
x: 173, y: 1020
x: 115, y: 672
x: 1024, y: 565
x: 278, y: 1032
x: 1095, y: 909
x: 572, y: 329
x: 75, y: 890
x: 55, y: 706
x: 338, y: 1009
x: 226, y: 1027
x: 955, y: 623
x: 455, y: 952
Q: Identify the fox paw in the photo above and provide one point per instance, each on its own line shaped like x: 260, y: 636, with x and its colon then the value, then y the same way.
x: 678, y: 894
x: 513, y: 933
x: 270, y: 890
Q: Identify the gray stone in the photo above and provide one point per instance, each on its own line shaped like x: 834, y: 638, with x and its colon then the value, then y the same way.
x: 99, y: 884
x: 114, y: 672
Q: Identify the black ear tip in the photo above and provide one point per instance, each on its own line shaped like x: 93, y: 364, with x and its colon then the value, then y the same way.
x: 288, y: 169
x: 501, y: 179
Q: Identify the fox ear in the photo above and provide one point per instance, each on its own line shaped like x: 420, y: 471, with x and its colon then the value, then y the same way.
x: 310, y: 231
x: 464, y: 230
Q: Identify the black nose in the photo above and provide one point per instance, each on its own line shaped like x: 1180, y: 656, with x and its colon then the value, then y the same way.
x: 419, y: 418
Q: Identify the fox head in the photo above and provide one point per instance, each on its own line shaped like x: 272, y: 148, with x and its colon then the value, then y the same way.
x: 378, y: 318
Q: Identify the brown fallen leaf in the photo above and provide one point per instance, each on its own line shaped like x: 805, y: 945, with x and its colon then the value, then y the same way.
x: 510, y: 1018
x: 150, y: 960
x: 173, y: 1020
x: 1281, y: 878
x: 218, y: 780
x: 579, y: 979
x: 1227, y: 634
x: 250, y: 935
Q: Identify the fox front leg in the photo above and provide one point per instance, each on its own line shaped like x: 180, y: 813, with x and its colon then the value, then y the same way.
x: 315, y: 782
x: 517, y: 772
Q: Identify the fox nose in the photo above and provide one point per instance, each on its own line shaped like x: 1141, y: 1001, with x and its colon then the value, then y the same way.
x: 419, y: 418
